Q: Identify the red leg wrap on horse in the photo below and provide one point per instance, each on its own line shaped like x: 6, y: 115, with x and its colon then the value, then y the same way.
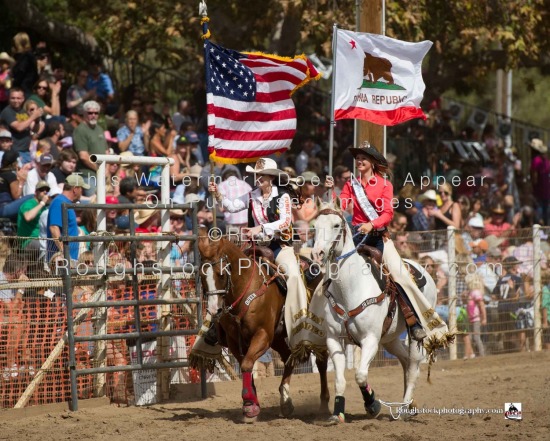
x: 249, y: 393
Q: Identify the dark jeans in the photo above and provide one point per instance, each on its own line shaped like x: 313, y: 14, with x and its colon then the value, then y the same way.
x: 373, y: 240
x: 11, y: 209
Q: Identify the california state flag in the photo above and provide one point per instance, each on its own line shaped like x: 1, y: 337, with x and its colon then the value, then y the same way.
x: 378, y: 79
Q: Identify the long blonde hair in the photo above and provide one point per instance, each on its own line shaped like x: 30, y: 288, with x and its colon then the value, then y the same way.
x: 22, y: 42
x: 475, y: 281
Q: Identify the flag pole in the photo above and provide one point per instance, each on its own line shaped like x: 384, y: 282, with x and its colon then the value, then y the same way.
x: 356, y: 141
x: 332, y: 99
x: 205, y: 35
x: 383, y: 32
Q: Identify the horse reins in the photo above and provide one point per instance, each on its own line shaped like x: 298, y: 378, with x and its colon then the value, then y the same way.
x: 340, y: 311
x: 251, y: 296
x: 341, y: 234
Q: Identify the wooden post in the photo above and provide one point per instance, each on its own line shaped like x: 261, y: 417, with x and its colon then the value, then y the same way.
x: 371, y: 21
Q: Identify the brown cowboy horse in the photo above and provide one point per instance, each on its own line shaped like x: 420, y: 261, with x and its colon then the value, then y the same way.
x: 251, y: 307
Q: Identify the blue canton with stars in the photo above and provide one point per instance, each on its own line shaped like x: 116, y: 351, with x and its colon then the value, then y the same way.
x: 226, y: 75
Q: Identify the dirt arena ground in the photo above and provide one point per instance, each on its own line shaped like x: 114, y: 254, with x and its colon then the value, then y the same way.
x: 479, y: 384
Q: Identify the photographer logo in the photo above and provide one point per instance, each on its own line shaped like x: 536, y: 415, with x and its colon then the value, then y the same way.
x: 512, y: 411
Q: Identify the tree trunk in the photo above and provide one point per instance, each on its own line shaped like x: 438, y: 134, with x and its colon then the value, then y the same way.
x: 290, y: 31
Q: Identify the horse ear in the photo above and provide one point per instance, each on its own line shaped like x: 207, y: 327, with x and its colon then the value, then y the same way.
x: 338, y: 203
x: 318, y: 203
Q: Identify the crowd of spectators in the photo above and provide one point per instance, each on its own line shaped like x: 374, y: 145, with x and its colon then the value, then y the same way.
x: 52, y: 121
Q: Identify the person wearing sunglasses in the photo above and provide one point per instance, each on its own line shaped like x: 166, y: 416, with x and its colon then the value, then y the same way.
x: 46, y: 96
x: 89, y: 139
x: 37, y: 126
x: 450, y: 213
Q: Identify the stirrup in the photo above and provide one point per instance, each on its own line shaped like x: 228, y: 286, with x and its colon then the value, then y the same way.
x: 418, y: 333
x: 211, y: 336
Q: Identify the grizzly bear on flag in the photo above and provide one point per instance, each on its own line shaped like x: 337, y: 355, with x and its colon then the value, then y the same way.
x: 375, y: 68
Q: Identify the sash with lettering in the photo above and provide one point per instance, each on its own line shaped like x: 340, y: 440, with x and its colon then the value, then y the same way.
x: 364, y: 202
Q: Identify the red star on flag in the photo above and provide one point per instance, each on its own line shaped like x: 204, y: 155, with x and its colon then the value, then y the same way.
x: 353, y: 45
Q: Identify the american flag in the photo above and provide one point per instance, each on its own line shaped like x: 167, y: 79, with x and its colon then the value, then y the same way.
x: 250, y: 112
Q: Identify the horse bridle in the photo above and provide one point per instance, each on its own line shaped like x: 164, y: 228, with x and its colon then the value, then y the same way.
x: 220, y: 292
x: 341, y: 234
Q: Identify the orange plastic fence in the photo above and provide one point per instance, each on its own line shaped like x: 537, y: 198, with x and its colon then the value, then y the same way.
x: 31, y: 328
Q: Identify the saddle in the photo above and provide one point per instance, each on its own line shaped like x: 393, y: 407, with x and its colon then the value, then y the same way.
x: 373, y: 256
x: 376, y: 256
x: 266, y: 255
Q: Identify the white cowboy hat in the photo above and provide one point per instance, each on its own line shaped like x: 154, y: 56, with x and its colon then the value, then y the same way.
x: 192, y: 198
x: 476, y: 222
x: 5, y: 57
x: 195, y: 171
x: 143, y: 215
x: 265, y: 166
x: 126, y: 154
x: 538, y: 145
x: 429, y: 195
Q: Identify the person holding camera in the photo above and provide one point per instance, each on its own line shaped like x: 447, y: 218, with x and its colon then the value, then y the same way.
x: 29, y: 216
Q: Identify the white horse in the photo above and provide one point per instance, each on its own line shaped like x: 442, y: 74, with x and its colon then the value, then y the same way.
x: 352, y: 284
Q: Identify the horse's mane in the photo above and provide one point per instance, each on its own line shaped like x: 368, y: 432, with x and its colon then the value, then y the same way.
x: 231, y: 247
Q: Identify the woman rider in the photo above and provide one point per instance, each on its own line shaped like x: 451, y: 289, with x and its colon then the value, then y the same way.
x: 269, y: 217
x: 371, y: 198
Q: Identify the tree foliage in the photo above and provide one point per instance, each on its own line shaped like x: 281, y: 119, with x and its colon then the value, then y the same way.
x: 471, y: 37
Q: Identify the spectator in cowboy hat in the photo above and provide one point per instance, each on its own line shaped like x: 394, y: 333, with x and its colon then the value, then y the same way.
x: 181, y: 247
x: 474, y: 229
x: 148, y: 220
x: 540, y: 179
x: 307, y: 211
x: 424, y: 219
x: 496, y: 224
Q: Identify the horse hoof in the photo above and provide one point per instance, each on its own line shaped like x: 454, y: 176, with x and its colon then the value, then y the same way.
x: 287, y: 408
x: 374, y: 409
x: 250, y: 412
x: 411, y: 407
x: 333, y: 420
